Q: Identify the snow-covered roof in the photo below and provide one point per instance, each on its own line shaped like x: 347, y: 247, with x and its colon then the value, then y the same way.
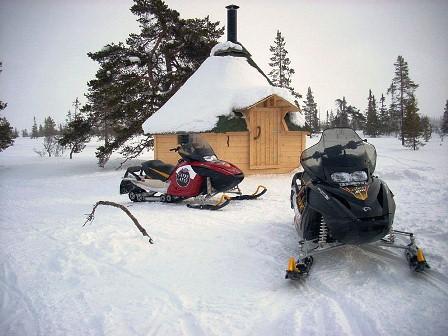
x: 221, y: 85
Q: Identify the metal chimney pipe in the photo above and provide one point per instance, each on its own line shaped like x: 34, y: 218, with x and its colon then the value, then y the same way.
x: 231, y: 23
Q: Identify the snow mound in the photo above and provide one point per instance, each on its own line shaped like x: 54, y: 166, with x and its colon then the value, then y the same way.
x: 221, y: 85
x: 224, y: 47
x: 134, y: 59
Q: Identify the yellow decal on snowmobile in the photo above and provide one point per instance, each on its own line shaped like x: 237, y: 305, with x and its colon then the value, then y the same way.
x: 359, y: 192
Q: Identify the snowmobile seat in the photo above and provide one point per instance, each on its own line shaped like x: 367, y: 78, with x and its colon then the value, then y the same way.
x: 157, y: 169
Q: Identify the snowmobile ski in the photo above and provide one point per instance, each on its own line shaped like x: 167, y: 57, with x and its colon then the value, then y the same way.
x: 297, y: 270
x: 261, y: 190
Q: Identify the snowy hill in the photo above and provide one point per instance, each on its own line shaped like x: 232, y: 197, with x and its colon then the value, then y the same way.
x: 208, y: 273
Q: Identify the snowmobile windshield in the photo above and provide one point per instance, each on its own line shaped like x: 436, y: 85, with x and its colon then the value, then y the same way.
x: 339, y: 151
x: 197, y: 149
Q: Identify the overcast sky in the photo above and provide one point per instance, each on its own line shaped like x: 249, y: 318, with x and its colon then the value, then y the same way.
x: 338, y: 48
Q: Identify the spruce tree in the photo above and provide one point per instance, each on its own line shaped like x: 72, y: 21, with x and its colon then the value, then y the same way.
x: 49, y: 128
x: 76, y: 104
x: 281, y: 72
x: 76, y: 133
x: 357, y: 118
x: 40, y: 132
x: 34, y: 130
x: 341, y: 118
x: 426, y: 127
x: 137, y: 77
x: 402, y: 91
x: 6, y: 132
x: 372, y: 127
x: 412, y: 130
x: 383, y: 117
x: 25, y: 133
x: 331, y: 122
x: 444, y: 123
x: 310, y: 111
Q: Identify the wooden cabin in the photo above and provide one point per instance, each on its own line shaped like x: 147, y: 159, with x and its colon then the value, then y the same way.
x: 235, y: 107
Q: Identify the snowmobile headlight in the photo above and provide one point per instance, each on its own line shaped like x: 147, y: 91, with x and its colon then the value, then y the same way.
x: 359, y: 176
x: 341, y: 177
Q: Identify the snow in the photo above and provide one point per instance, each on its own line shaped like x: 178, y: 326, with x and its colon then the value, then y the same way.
x: 134, y: 59
x: 221, y: 85
x: 208, y: 273
x: 225, y: 46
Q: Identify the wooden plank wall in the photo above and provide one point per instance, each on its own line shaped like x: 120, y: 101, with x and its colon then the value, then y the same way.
x: 234, y: 147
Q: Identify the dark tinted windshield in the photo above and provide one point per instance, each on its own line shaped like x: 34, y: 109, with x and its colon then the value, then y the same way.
x: 338, y: 150
x: 196, y: 148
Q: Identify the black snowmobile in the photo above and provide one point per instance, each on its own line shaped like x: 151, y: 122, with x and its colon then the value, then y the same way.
x: 338, y: 201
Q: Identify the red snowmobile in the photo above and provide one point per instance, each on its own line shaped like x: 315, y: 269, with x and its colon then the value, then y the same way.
x: 198, y: 174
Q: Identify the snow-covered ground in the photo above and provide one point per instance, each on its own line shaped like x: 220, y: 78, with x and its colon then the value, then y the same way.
x: 208, y: 273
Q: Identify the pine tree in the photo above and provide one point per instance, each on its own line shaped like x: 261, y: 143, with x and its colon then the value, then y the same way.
x: 383, y: 117
x: 402, y: 91
x: 393, y: 114
x: 281, y: 72
x: 310, y: 111
x: 34, y: 130
x: 425, y: 125
x: 76, y: 105
x: 412, y: 130
x: 49, y: 128
x: 6, y: 132
x: 25, y: 133
x: 76, y: 133
x: 331, y: 122
x: 40, y: 132
x: 341, y: 118
x: 372, y: 127
x: 137, y: 77
x: 357, y: 118
x: 444, y: 123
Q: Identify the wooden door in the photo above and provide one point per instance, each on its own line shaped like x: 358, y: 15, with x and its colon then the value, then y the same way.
x: 264, y: 138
